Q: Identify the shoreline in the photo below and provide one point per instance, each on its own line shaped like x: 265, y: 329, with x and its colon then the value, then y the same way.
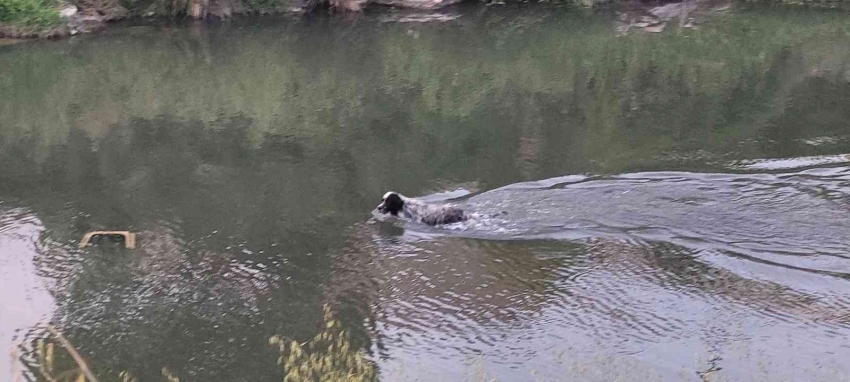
x: 634, y: 15
x: 89, y: 18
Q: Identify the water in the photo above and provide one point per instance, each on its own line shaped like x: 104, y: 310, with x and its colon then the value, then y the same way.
x: 670, y: 206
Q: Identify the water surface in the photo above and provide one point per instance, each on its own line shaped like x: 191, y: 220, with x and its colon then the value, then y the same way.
x: 670, y: 206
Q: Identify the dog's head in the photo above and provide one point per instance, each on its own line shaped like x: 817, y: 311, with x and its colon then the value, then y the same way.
x: 391, y: 203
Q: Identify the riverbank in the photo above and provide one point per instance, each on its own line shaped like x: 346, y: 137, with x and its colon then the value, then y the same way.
x: 33, y: 19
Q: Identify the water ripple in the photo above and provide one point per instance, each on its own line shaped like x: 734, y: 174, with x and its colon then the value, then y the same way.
x: 631, y: 262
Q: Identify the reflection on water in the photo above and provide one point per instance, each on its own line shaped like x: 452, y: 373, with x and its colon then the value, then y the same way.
x: 26, y: 302
x: 674, y: 204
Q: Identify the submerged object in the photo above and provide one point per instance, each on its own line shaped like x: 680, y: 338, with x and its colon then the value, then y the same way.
x: 129, y: 237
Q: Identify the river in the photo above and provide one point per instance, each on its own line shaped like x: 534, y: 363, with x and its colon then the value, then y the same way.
x: 666, y: 206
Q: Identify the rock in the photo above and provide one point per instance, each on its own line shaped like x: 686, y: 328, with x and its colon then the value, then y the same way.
x: 108, y: 9
x: 220, y: 9
x: 115, y: 12
x: 421, y: 18
x: 418, y: 4
x: 655, y: 28
x: 68, y: 11
x: 196, y: 9
x: 672, y: 10
x: 84, y: 23
x: 349, y: 5
x: 646, y: 21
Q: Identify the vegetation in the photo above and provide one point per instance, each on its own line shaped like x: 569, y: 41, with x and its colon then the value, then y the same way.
x: 328, y: 357
x: 45, y: 364
x: 29, y: 13
x: 614, y: 86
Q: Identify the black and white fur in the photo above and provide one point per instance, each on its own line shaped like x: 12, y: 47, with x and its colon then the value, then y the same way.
x: 397, y: 204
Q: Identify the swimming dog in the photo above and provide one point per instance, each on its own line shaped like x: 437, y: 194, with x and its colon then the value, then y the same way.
x: 397, y: 204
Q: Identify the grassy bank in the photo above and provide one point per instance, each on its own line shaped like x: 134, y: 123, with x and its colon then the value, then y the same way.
x: 37, y: 14
x: 30, y: 18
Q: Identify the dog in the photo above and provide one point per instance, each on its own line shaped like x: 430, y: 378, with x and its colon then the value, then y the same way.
x: 396, y: 204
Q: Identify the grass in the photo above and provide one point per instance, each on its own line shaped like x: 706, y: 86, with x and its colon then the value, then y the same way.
x: 29, y: 13
x: 328, y: 357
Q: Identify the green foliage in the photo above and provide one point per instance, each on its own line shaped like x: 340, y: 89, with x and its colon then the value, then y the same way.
x: 328, y: 357
x: 37, y: 13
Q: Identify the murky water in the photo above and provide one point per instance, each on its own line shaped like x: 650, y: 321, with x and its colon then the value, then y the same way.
x: 670, y: 206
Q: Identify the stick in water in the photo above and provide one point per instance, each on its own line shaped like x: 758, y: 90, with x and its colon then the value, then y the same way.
x: 84, y: 368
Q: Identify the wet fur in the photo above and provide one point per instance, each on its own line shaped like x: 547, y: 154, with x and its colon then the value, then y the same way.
x: 396, y: 204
